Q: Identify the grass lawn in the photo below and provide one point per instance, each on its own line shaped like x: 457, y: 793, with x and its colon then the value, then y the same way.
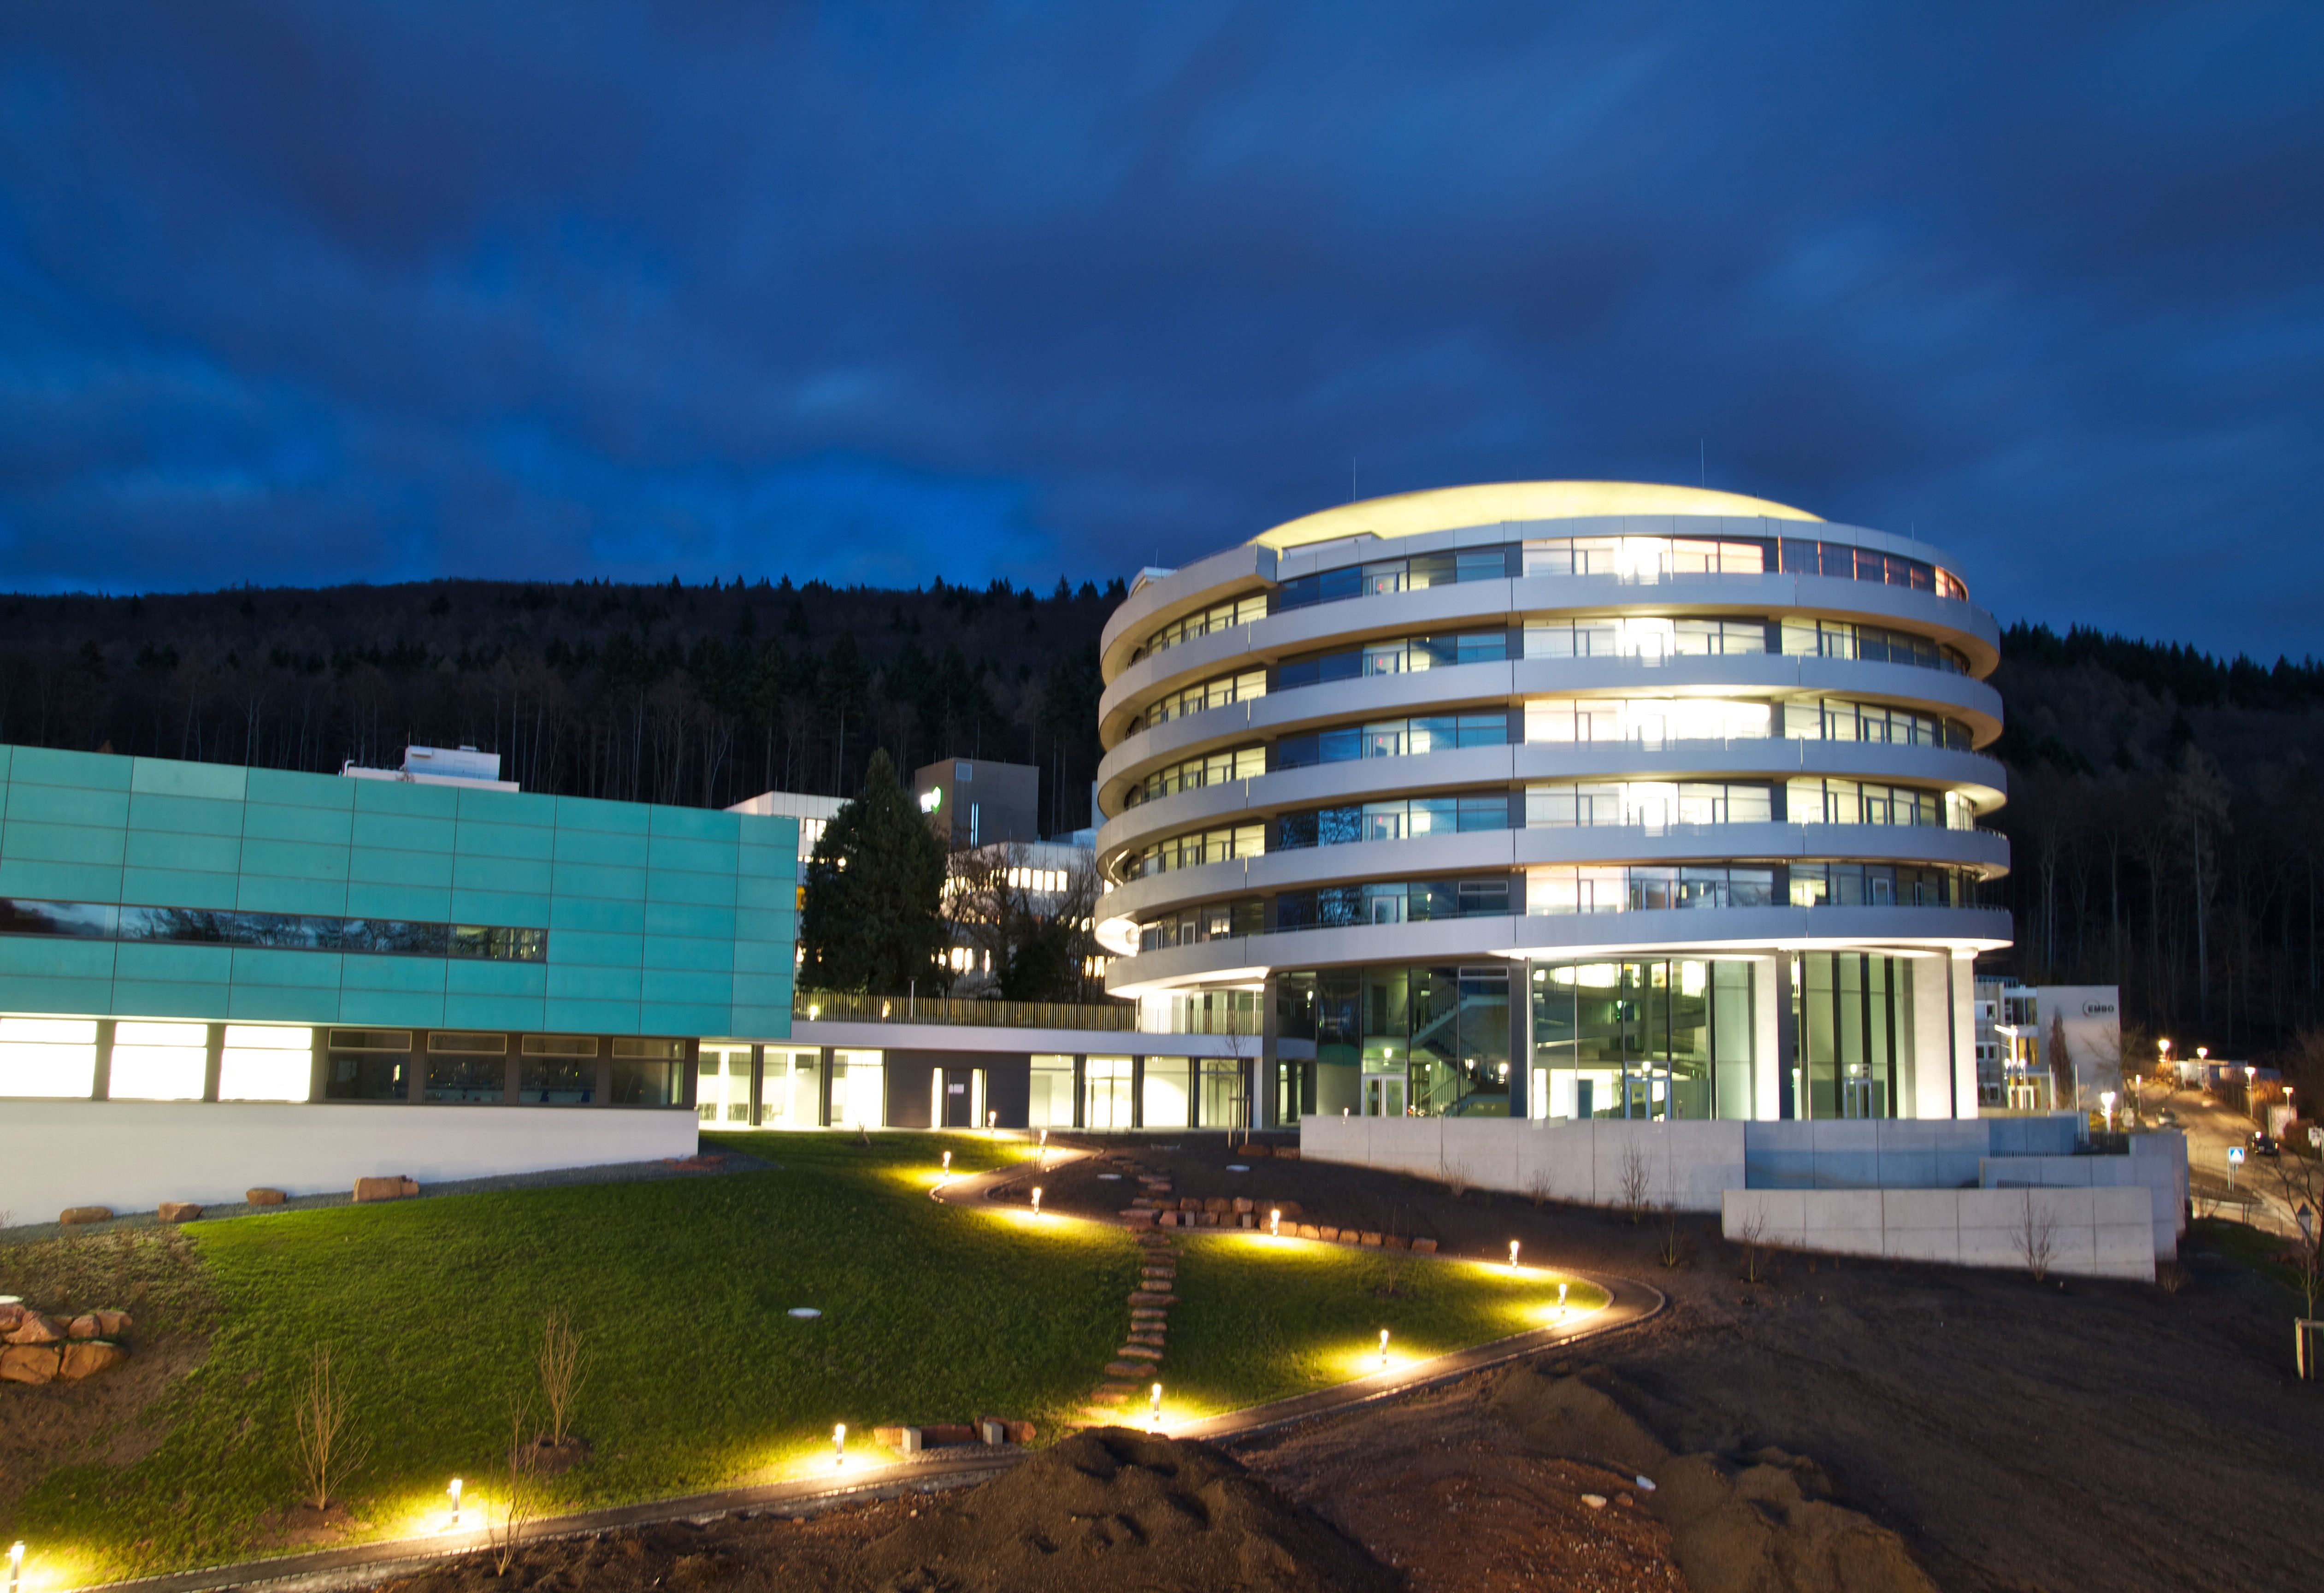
x: 433, y: 1310
x: 1262, y: 1319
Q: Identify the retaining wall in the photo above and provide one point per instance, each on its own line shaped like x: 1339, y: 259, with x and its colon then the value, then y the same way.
x: 132, y: 1155
x: 1590, y: 1161
x: 2091, y: 1232
x: 2157, y: 1163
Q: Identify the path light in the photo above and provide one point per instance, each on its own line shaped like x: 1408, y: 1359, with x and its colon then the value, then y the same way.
x: 456, y: 1503
x: 1561, y: 1297
x: 839, y: 1446
x: 2106, y: 1100
x: 1513, y: 1254
x: 1275, y: 1225
x: 1383, y: 1346
x: 1037, y: 1199
x: 992, y: 1122
x: 948, y: 1164
x: 1157, y: 1409
x: 17, y: 1551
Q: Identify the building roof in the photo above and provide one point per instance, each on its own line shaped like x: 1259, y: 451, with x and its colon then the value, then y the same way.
x: 1445, y: 508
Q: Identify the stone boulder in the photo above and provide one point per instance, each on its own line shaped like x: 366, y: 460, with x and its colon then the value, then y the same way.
x: 179, y: 1211
x: 72, y: 1216
x: 1423, y: 1247
x: 85, y: 1358
x: 397, y: 1188
x: 264, y: 1197
x: 115, y: 1324
x: 1244, y: 1205
x: 37, y: 1327
x: 29, y: 1363
x: 9, y: 1315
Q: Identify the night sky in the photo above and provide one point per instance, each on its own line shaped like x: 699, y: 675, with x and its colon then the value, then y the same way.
x: 314, y: 293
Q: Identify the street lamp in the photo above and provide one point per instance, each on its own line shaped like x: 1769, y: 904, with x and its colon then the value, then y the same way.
x: 15, y: 1565
x: 2106, y: 1100
x: 2251, y: 1083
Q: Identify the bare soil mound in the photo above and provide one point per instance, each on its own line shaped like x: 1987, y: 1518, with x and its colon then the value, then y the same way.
x: 1762, y: 1524
x: 1122, y: 1509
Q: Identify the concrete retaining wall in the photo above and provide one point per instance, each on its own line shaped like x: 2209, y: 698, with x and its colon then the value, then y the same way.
x: 2092, y: 1232
x: 2157, y: 1163
x: 1684, y: 1165
x: 132, y: 1155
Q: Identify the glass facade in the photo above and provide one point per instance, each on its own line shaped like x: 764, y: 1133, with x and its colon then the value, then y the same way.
x: 1665, y: 1039
x: 1106, y: 1092
x: 1853, y: 1016
x: 1051, y: 1103
x: 1429, y: 1041
x: 1398, y: 655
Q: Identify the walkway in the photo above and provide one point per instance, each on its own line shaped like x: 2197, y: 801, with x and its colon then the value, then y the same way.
x: 955, y: 1466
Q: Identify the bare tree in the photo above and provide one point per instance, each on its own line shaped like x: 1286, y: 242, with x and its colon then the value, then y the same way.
x: 323, y: 1450
x: 509, y: 1517
x: 2037, y: 1238
x: 563, y: 1368
x: 1754, y: 1235
x: 1634, y: 1179
x: 1537, y: 1187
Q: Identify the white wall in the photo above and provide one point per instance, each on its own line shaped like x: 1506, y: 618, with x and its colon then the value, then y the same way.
x: 2157, y: 1163
x: 132, y: 1155
x: 1686, y: 1163
x: 2092, y: 1232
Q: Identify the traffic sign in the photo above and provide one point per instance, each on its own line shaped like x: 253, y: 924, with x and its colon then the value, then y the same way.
x: 2235, y: 1155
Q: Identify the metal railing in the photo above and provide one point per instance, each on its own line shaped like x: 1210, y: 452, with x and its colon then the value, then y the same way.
x: 846, y: 1007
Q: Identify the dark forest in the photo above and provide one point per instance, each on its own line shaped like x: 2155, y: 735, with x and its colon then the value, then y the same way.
x: 2165, y: 805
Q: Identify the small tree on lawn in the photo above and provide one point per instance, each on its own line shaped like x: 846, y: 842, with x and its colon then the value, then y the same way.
x: 2062, y: 1065
x: 873, y: 919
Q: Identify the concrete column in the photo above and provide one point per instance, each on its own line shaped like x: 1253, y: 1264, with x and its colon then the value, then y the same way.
x: 1138, y: 1092
x: 101, y: 1085
x: 213, y: 1064
x: 758, y: 1086
x: 1081, y: 1091
x: 822, y: 1090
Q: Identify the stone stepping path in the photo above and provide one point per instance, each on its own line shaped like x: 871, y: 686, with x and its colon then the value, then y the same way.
x: 1141, y: 1352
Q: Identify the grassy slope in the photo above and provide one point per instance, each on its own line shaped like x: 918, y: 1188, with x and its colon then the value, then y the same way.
x: 700, y: 1380
x: 1262, y: 1319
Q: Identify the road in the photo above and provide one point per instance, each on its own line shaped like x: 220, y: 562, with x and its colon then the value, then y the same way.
x: 2213, y: 1129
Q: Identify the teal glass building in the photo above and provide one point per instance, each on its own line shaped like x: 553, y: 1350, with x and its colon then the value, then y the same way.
x: 208, y: 937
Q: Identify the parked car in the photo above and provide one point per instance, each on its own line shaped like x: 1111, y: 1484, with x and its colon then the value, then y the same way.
x: 2263, y: 1144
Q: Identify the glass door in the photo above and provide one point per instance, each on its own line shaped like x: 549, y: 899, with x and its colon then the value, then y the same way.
x: 1106, y: 1092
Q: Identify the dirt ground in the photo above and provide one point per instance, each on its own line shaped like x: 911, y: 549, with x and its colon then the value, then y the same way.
x: 1851, y: 1426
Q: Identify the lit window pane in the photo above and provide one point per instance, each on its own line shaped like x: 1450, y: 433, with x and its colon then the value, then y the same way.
x: 49, y: 1057
x: 265, y: 1063
x: 158, y: 1061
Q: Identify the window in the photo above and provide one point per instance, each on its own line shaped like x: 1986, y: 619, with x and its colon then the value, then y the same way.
x: 859, y: 1089
x: 1223, y: 616
x: 1400, y: 656
x: 1393, y: 820
x: 159, y: 1061
x: 276, y: 931
x: 53, y: 1057
x: 266, y: 1064
x: 645, y: 1073
x: 1216, y: 768
x: 557, y: 1070
x: 1655, y: 804
x: 1394, y: 574
x: 1862, y: 802
x: 466, y: 1068
x: 368, y: 1064
x: 1878, y: 885
x: 1841, y: 639
x: 1193, y: 850
x: 1211, y: 693
x: 1651, y: 722
x: 1648, y: 887
x: 1231, y: 920
x: 1643, y: 558
x: 1394, y: 738
x: 1398, y: 902
x: 1834, y: 719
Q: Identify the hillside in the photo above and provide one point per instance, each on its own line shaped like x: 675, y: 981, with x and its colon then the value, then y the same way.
x: 2164, y: 805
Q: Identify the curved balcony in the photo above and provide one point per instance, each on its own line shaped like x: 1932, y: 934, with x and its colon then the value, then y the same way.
x: 1663, y: 932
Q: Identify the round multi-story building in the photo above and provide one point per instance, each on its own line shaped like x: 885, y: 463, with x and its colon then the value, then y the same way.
x: 1560, y: 800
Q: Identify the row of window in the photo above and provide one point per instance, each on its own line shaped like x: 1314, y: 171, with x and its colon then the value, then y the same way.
x: 1193, y: 850
x: 1398, y: 655
x: 1211, y: 694
x: 1394, y: 738
x: 274, y: 931
x: 1223, y: 616
x: 1645, y: 886
x: 1392, y: 820
x: 1193, y: 774
x: 1413, y: 573
x: 1574, y: 888
x: 1655, y: 804
x: 1644, y: 636
x: 74, y: 1058
x: 1863, y: 802
x: 1391, y: 901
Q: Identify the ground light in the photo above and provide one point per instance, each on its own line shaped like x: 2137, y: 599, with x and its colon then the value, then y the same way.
x: 455, y: 1491
x: 1157, y: 1417
x: 1513, y: 1254
x: 839, y: 1446
x: 1383, y: 1346
x: 1561, y: 1297
x: 1275, y: 1225
x: 1037, y: 1199
x: 947, y: 1164
x: 17, y: 1551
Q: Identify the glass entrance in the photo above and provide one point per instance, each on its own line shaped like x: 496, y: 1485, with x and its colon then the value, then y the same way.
x: 1384, y: 1095
x: 1105, y: 1098
x: 960, y: 1097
